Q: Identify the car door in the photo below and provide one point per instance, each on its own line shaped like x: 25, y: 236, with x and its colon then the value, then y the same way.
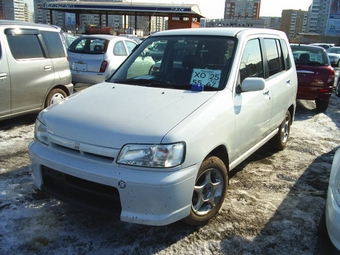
x: 31, y: 70
x: 253, y: 109
x: 279, y: 78
x: 5, y: 81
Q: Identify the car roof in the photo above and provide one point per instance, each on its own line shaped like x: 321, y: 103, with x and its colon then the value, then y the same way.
x: 306, y: 47
x: 14, y: 23
x: 105, y: 37
x: 219, y: 31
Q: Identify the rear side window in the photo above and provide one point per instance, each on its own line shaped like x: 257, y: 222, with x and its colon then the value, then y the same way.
x: 286, y: 55
x: 25, y: 46
x: 119, y: 49
x: 54, y: 44
x: 251, y: 63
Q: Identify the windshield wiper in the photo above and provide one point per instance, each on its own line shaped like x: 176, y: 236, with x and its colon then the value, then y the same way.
x: 143, y: 82
x: 163, y: 84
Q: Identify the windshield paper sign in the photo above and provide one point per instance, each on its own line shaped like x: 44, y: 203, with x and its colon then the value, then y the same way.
x: 206, y: 77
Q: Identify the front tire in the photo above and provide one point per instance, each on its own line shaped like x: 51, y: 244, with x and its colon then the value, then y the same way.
x: 337, y: 89
x: 209, y: 191
x: 55, y: 96
x: 280, y: 140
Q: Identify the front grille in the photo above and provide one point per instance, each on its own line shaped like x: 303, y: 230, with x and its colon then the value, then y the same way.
x: 91, y: 195
x: 88, y: 155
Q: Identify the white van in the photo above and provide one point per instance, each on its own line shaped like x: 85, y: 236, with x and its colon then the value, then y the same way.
x: 34, y: 68
x: 155, y: 143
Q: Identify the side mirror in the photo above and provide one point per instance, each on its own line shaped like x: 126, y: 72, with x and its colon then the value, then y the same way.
x: 252, y: 84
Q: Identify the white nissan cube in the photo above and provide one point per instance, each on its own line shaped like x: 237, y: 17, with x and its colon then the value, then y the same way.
x: 154, y: 143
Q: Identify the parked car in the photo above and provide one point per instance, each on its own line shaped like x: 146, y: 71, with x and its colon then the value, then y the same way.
x: 156, y: 50
x: 68, y: 38
x: 132, y: 37
x: 315, y: 74
x: 157, y: 146
x: 324, y: 45
x: 34, y: 69
x: 334, y: 56
x: 94, y: 58
x: 332, y: 211
x: 337, y: 85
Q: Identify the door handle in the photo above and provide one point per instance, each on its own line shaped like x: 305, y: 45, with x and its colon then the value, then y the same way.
x: 47, y: 68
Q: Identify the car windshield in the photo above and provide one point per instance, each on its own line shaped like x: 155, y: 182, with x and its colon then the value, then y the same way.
x: 313, y: 56
x: 179, y: 62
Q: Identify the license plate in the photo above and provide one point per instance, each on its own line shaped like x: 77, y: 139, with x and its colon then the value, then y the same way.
x: 79, y: 67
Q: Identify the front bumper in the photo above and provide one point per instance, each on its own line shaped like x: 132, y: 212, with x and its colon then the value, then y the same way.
x: 333, y: 219
x: 88, y: 77
x: 141, y: 196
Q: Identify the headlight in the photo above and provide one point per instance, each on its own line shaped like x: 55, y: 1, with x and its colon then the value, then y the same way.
x: 165, y: 155
x: 40, y: 132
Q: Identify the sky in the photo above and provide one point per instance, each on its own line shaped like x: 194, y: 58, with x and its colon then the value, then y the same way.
x: 214, y: 9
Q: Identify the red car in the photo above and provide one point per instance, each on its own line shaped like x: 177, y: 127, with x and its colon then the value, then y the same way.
x: 315, y: 75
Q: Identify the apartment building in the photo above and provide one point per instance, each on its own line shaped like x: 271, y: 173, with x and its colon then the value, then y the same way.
x: 318, y: 17
x: 293, y: 22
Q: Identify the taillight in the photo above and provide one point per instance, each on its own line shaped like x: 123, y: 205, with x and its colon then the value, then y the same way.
x: 331, y: 76
x: 103, y: 67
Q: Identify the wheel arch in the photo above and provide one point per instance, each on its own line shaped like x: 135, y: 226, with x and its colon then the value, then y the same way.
x: 62, y: 87
x: 222, y: 153
x: 291, y: 110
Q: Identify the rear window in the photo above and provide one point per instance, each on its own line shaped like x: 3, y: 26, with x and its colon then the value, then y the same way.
x: 89, y: 45
x: 304, y: 55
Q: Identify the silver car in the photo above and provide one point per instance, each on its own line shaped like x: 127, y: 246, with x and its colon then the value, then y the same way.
x: 34, y: 69
x: 333, y: 202
x: 94, y: 58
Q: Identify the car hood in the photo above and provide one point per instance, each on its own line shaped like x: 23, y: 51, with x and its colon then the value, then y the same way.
x: 112, y: 115
x: 336, y: 55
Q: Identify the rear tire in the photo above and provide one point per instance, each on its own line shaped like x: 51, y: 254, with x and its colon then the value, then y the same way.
x: 55, y: 96
x: 209, y: 191
x: 279, y: 141
x: 321, y: 105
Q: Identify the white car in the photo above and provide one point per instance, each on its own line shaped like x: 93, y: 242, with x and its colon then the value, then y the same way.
x: 94, y: 58
x: 156, y: 144
x: 332, y: 212
x: 334, y: 56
